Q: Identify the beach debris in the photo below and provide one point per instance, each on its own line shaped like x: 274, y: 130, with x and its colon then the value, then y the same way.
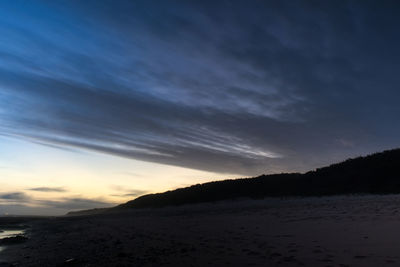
x: 71, y: 260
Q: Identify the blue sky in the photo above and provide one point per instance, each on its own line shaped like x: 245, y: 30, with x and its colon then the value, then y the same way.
x: 199, y: 90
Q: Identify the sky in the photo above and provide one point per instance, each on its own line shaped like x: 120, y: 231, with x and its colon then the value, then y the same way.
x: 103, y: 101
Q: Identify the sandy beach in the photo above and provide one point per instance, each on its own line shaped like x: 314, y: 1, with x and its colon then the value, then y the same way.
x: 328, y: 231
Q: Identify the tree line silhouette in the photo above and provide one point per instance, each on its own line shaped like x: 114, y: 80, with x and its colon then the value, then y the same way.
x: 378, y: 173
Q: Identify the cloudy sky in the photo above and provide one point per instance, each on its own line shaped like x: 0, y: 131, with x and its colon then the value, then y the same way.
x: 102, y: 101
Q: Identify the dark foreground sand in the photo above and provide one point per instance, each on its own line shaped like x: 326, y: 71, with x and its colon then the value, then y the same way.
x: 331, y: 231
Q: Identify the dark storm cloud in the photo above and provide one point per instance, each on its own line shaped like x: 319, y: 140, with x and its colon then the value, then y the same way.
x: 230, y: 87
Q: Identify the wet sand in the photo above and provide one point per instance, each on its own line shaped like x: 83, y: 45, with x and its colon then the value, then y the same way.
x: 328, y: 231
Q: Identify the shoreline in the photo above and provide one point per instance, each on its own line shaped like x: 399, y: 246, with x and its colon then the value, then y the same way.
x: 339, y: 231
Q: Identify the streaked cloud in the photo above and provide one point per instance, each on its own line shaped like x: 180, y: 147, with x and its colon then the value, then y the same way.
x: 22, y: 203
x: 48, y: 189
x: 228, y: 87
x: 75, y: 203
x: 14, y: 196
x: 123, y: 191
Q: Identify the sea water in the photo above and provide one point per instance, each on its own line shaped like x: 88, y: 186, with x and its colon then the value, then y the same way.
x: 9, y: 233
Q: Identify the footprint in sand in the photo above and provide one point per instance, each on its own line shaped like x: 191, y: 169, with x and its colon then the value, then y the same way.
x: 275, y: 255
x: 289, y: 259
x: 360, y: 257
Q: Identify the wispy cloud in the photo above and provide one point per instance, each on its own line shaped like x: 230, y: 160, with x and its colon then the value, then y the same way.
x: 23, y: 201
x: 75, y: 203
x: 14, y: 196
x: 228, y: 87
x: 48, y: 189
x: 123, y: 191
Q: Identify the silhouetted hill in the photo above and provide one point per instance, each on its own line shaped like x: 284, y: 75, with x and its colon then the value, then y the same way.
x: 374, y: 174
